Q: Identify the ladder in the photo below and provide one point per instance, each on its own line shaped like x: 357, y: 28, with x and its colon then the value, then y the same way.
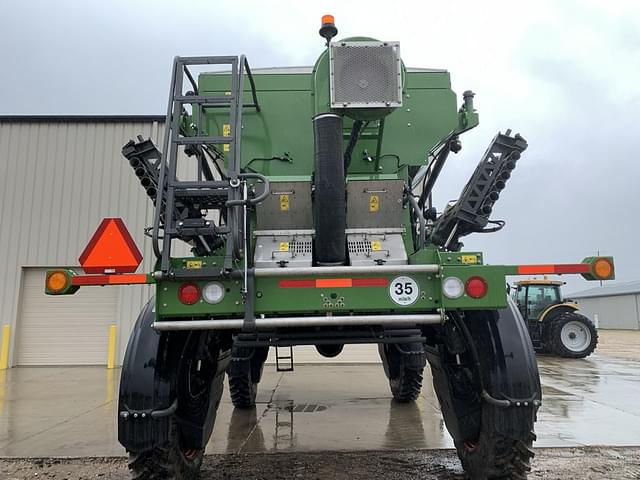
x: 280, y: 367
x: 179, y: 215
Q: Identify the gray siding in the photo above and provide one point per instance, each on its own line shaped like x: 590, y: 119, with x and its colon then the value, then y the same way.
x: 616, y: 311
x: 57, y: 181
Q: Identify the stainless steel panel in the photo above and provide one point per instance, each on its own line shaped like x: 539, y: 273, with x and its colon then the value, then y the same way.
x: 376, y: 249
x: 287, y: 207
x: 295, y: 250
x: 374, y: 203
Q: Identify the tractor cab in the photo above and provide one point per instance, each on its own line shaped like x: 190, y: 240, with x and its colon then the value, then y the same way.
x: 535, y: 296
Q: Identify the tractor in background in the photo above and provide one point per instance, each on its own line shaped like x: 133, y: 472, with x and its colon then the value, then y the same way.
x: 555, y: 324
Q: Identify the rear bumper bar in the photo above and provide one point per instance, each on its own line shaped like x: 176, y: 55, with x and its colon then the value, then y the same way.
x: 317, y: 321
x: 344, y: 270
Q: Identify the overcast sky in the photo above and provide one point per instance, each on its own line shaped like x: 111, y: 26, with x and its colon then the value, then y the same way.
x: 565, y: 74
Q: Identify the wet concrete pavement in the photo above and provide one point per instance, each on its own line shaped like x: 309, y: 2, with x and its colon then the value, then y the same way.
x: 72, y: 411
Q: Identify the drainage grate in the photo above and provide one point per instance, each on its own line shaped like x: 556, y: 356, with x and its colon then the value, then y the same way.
x: 303, y: 408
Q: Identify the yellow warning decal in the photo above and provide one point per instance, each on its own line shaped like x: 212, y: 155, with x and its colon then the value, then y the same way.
x: 194, y: 263
x: 374, y: 203
x: 284, y: 203
x: 226, y: 132
x: 284, y: 247
x: 376, y: 245
x: 469, y: 259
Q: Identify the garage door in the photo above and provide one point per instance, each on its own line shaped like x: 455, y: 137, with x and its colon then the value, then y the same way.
x: 63, y: 330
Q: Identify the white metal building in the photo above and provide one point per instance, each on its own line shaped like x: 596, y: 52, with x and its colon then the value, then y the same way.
x: 59, y: 176
x: 615, y: 306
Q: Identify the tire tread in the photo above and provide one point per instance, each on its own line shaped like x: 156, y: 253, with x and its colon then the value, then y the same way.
x: 167, y: 463
x: 242, y: 390
x: 407, y: 387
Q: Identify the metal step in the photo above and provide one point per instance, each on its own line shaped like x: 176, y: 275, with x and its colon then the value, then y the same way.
x: 208, y: 199
x: 206, y: 99
x: 203, y: 140
x: 288, y: 368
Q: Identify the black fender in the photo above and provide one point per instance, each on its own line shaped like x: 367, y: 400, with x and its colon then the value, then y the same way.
x: 147, y: 398
x: 511, y: 379
x: 152, y: 386
x: 499, y: 344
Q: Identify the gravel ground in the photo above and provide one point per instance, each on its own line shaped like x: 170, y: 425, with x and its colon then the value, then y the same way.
x: 611, y: 463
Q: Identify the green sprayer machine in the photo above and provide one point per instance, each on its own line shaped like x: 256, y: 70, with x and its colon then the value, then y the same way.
x: 305, y: 198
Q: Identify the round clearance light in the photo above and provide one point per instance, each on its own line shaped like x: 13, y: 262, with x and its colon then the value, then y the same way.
x: 603, y: 268
x: 188, y: 293
x: 57, y: 281
x: 213, y: 292
x: 452, y: 287
x: 476, y: 287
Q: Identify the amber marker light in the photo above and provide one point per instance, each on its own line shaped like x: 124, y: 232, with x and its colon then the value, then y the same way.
x: 57, y: 281
x: 602, y: 268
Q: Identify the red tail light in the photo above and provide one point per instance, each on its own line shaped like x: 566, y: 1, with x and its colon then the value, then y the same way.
x: 476, y: 287
x: 189, y: 293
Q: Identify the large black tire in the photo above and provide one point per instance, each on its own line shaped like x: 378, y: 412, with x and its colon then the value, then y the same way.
x: 405, y: 377
x: 495, y: 456
x: 493, y: 441
x: 170, y: 390
x: 245, y: 372
x: 168, y: 463
x: 570, y: 335
x: 243, y: 390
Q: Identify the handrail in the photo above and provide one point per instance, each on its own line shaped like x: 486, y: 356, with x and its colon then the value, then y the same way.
x: 253, y: 85
x: 163, y: 162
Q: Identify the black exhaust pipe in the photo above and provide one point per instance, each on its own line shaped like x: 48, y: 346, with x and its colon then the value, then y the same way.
x: 329, y: 198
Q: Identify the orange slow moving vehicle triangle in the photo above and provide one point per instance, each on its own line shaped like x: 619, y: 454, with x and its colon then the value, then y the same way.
x: 111, y: 249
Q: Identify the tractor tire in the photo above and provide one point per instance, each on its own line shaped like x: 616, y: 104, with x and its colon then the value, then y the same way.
x: 245, y: 372
x: 405, y: 380
x: 571, y: 335
x: 168, y: 463
x: 493, y: 441
x: 493, y: 456
x: 243, y: 390
x: 182, y: 374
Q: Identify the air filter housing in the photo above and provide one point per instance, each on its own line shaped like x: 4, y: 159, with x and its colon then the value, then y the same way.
x: 365, y: 74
